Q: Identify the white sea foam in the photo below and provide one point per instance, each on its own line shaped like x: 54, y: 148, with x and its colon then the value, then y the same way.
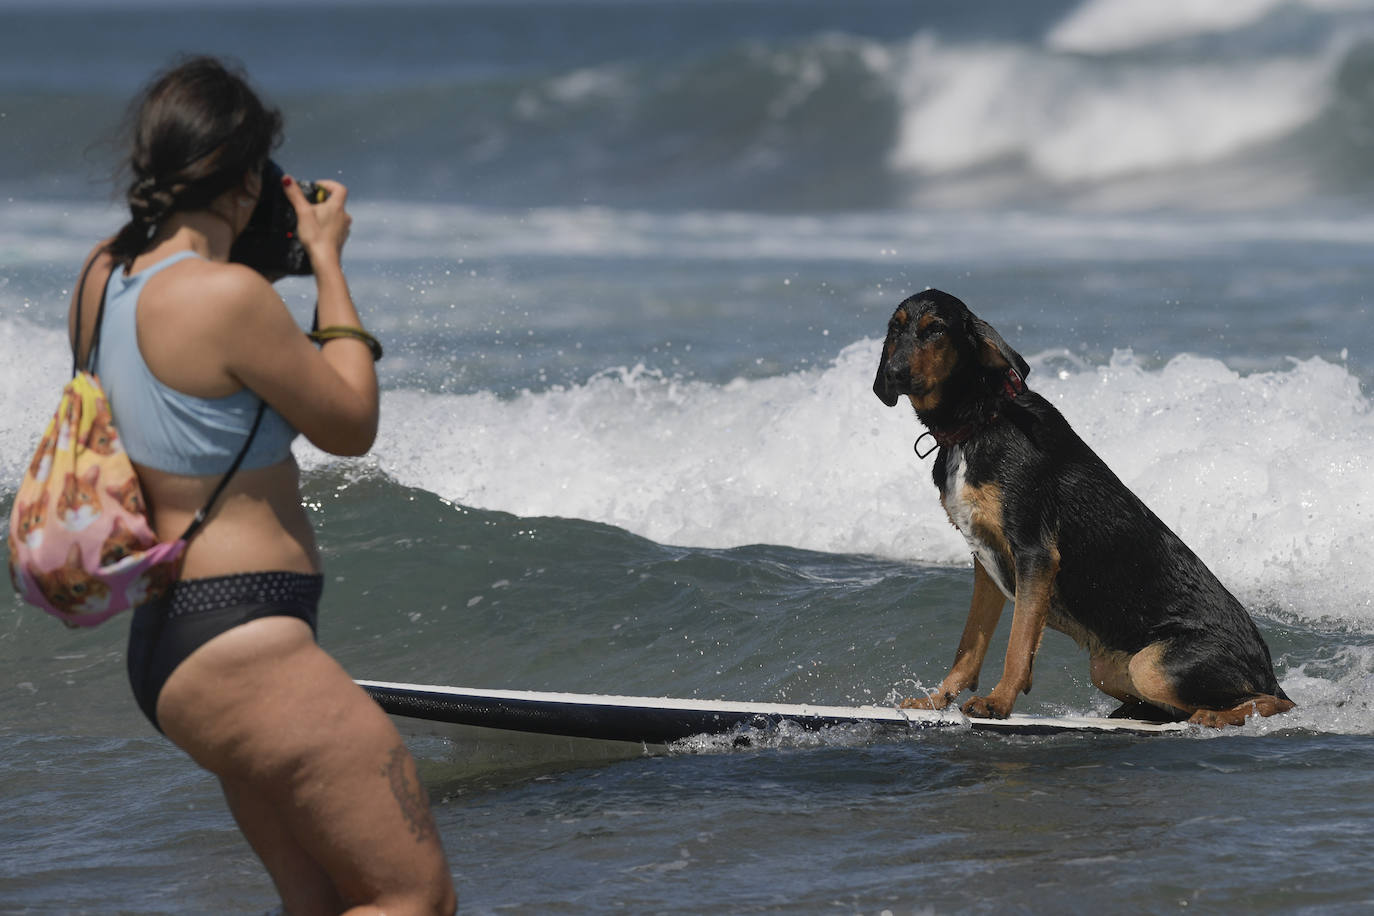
x: 1267, y: 475
x: 1107, y: 26
x: 1075, y: 119
x: 31, y: 378
x: 1119, y: 25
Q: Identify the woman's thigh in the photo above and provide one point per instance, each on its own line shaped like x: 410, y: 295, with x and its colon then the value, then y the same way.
x: 272, y: 714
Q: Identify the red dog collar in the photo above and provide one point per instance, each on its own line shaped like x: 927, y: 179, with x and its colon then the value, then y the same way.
x: 1012, y: 386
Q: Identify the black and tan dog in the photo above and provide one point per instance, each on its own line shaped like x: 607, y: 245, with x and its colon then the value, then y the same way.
x: 1052, y: 528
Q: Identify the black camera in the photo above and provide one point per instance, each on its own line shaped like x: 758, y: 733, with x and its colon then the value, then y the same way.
x: 268, y: 244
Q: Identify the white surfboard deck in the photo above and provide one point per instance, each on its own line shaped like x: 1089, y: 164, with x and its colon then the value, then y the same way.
x: 529, y: 725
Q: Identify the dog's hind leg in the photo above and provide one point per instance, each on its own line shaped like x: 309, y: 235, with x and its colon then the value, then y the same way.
x: 983, y: 613
x: 1264, y: 705
x: 1154, y: 682
x: 1110, y: 674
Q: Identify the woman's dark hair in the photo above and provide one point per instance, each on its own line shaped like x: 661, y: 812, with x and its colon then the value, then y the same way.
x: 195, y: 131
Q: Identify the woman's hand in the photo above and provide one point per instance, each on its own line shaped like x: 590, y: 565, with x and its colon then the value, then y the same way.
x: 323, y: 227
x: 330, y: 394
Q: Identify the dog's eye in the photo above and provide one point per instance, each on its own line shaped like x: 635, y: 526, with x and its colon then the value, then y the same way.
x: 932, y: 331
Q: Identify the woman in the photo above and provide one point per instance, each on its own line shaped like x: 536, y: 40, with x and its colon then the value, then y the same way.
x: 226, y: 665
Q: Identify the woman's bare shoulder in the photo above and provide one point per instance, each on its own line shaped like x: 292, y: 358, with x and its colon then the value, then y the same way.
x: 100, y: 255
x: 95, y: 267
x: 226, y: 293
x: 225, y: 276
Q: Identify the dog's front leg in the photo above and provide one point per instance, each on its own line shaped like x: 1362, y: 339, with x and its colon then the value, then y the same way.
x: 983, y: 613
x: 1034, y: 584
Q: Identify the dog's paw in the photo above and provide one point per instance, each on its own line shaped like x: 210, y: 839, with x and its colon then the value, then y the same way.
x: 1216, y: 718
x: 933, y: 701
x: 988, y: 707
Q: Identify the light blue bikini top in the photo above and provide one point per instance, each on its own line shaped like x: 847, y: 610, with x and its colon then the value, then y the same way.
x: 164, y: 428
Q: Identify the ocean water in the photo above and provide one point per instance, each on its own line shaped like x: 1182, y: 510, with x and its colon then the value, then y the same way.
x: 632, y: 262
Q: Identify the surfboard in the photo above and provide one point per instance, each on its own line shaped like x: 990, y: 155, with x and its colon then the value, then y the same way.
x: 605, y: 726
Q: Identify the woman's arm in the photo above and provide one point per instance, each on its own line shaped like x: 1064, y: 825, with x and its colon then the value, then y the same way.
x: 329, y: 394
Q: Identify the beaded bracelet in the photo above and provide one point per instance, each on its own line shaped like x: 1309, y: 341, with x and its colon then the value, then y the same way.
x: 335, y: 331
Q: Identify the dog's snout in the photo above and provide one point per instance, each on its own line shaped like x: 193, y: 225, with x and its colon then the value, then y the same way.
x: 896, y: 367
x: 893, y: 378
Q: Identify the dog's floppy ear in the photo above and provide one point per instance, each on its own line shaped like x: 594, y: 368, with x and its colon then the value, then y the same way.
x: 882, y: 383
x: 994, y: 352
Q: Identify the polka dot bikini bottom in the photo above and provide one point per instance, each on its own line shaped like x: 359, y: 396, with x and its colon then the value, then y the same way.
x: 165, y: 632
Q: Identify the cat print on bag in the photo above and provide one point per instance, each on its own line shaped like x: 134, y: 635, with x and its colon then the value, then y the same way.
x: 67, y: 420
x: 103, y: 440
x: 32, y: 517
x: 41, y: 465
x: 129, y: 496
x: 81, y: 546
x: 120, y: 544
x: 72, y: 589
x: 78, y: 505
x: 153, y: 584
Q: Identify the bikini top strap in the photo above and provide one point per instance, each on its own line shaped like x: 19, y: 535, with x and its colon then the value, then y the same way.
x: 99, y: 318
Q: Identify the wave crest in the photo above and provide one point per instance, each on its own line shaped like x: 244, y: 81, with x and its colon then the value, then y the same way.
x: 1266, y: 475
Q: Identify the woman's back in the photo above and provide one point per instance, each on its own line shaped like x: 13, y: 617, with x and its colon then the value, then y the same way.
x: 183, y: 417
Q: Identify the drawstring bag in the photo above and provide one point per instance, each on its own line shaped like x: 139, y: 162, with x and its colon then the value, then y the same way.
x: 81, y: 547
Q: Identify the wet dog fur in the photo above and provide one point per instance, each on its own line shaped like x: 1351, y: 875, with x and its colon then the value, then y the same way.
x: 1054, y: 530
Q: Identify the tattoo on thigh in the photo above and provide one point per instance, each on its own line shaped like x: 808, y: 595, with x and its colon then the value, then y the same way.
x: 409, y: 794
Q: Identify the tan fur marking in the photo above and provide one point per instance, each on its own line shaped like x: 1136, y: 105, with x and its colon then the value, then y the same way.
x: 983, y: 613
x: 1033, y: 596
x: 1148, y: 680
x: 985, y: 511
x: 930, y: 364
x: 990, y: 356
x: 977, y: 512
x: 1110, y: 674
x: 1263, y: 705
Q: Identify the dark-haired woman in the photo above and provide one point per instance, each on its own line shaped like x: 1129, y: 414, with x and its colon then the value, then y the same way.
x: 226, y: 664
